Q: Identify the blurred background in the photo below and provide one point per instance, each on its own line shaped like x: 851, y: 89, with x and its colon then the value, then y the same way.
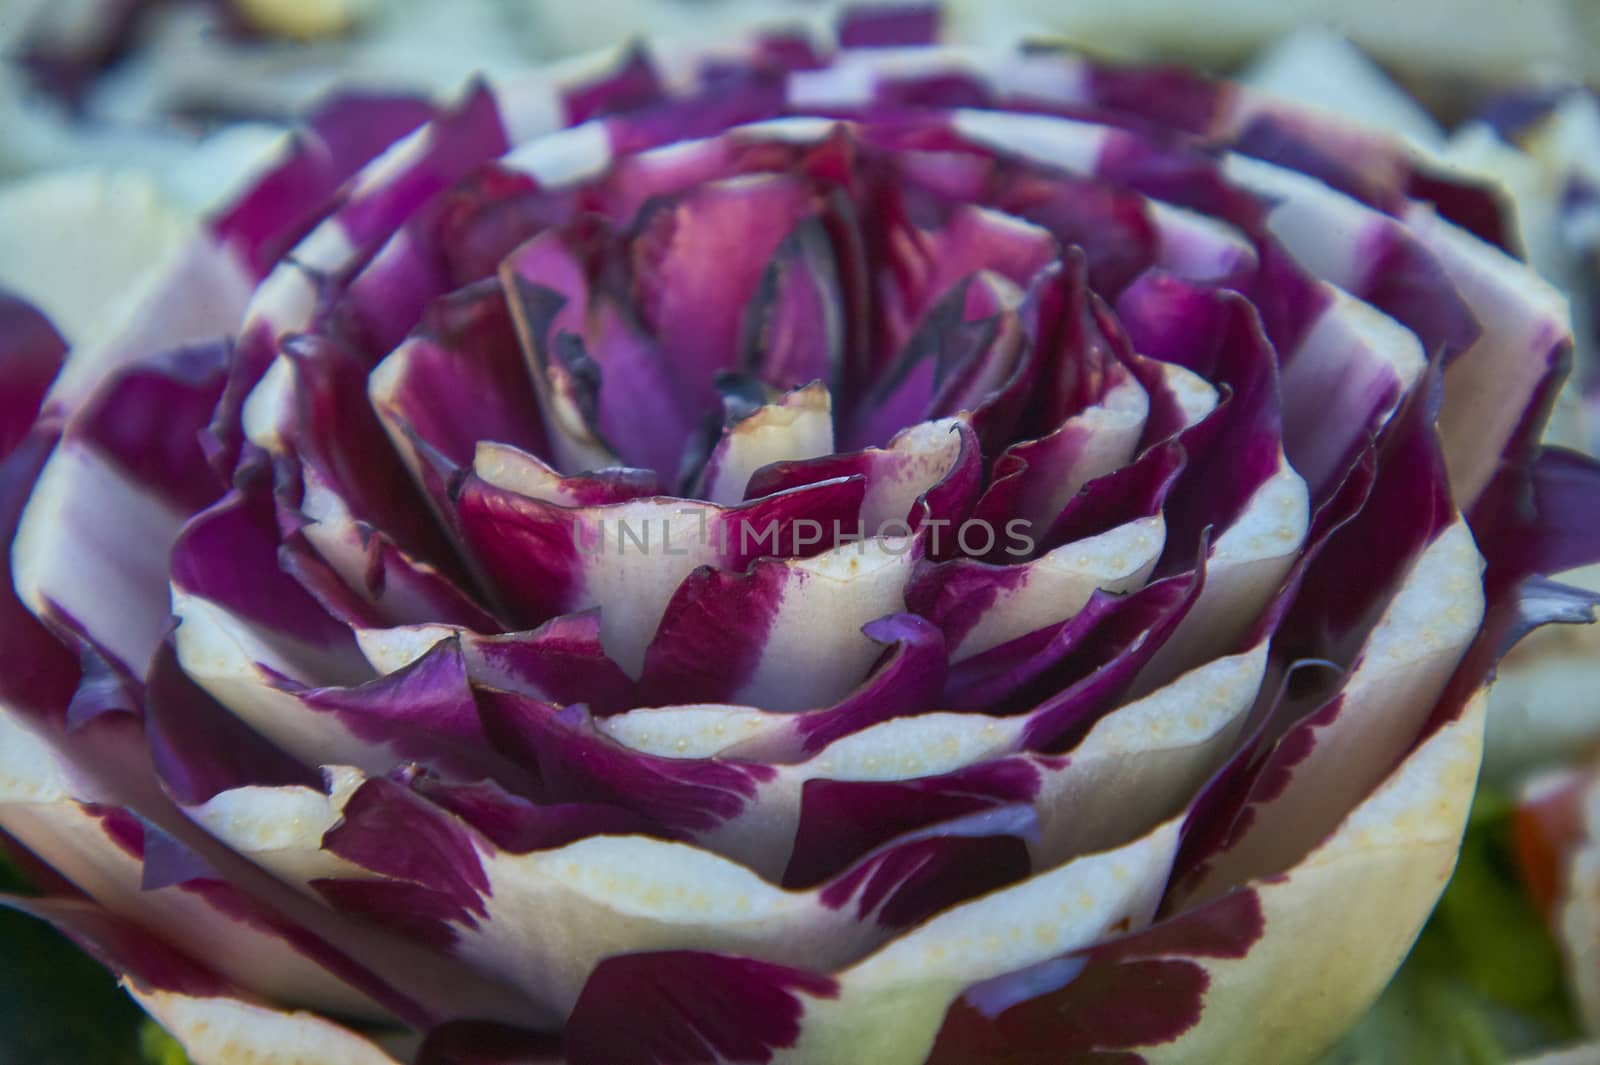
x: 168, y: 104
x: 126, y: 81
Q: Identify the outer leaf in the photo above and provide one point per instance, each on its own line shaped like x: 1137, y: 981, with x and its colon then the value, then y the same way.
x: 1230, y: 977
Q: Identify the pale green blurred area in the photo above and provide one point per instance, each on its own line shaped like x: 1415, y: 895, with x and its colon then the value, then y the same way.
x: 1493, y: 41
x: 1483, y: 985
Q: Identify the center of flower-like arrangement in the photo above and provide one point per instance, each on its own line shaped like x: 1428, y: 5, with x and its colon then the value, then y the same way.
x: 775, y: 388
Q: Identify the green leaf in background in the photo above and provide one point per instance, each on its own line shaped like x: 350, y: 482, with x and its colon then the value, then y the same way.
x: 1483, y: 985
x: 156, y: 1047
x: 60, y: 1007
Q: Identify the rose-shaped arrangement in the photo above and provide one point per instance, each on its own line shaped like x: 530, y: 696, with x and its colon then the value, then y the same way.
x: 784, y: 552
